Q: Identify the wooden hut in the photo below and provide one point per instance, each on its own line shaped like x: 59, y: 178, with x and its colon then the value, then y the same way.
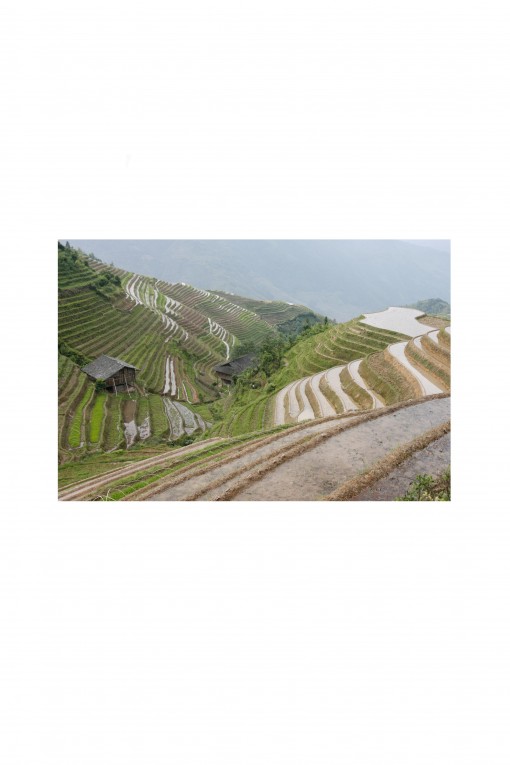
x: 115, y: 373
x: 227, y: 372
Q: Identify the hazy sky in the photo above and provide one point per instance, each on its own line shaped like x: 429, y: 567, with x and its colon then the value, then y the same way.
x: 437, y: 244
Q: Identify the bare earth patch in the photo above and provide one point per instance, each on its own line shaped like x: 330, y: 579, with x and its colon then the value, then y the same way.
x: 432, y: 460
x: 319, y: 471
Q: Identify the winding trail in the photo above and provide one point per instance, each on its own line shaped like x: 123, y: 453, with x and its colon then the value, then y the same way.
x: 83, y: 489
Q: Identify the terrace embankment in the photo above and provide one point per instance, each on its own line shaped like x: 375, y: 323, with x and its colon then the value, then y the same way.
x: 399, y: 372
x: 306, y: 462
x: 432, y: 460
x: 324, y: 465
x: 205, y: 484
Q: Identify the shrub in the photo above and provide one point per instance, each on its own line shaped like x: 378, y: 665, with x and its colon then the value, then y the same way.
x: 75, y: 356
x: 426, y: 488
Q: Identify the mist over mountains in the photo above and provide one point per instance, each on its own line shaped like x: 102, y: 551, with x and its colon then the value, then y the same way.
x: 337, y: 278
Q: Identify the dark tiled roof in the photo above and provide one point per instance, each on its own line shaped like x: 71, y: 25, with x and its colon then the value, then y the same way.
x: 105, y: 366
x: 236, y: 366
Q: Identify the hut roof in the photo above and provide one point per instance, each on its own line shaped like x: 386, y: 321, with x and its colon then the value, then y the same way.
x: 105, y: 366
x: 236, y: 366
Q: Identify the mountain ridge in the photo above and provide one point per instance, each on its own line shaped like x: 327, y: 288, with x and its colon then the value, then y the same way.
x: 337, y: 278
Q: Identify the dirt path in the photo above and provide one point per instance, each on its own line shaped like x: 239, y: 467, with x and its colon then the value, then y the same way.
x: 398, y: 351
x: 218, y: 477
x: 432, y: 460
x: 83, y: 489
x: 318, y: 471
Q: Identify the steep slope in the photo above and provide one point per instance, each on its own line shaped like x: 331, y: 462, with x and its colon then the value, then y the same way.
x: 173, y: 333
x: 338, y: 278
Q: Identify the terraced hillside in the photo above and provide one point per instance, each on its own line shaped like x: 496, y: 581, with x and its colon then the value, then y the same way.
x: 359, y: 365
x: 404, y: 370
x: 330, y: 411
x: 306, y: 362
x: 335, y: 458
x: 173, y: 333
x: 288, y: 317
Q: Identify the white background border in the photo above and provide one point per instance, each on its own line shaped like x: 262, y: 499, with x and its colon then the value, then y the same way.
x: 255, y: 633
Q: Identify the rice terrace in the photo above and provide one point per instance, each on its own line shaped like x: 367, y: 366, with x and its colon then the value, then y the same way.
x: 208, y: 373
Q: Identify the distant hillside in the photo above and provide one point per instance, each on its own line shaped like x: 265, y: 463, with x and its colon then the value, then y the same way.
x: 434, y: 306
x: 290, y: 319
x: 338, y: 279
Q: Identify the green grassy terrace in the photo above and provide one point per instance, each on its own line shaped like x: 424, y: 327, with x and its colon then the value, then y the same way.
x: 250, y: 408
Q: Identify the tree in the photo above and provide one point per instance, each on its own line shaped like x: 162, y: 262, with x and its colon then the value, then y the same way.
x: 271, y: 354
